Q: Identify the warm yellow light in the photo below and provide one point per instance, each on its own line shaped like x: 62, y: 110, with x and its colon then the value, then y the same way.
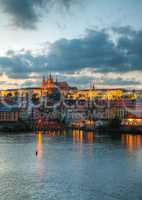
x: 39, y: 145
x: 130, y: 120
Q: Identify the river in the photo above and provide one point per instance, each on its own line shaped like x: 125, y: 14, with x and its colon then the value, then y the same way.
x: 75, y: 166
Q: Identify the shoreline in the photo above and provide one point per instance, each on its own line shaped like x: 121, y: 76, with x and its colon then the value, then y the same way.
x: 100, y: 131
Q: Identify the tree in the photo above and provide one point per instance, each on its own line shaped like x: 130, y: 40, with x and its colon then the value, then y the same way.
x: 115, y: 123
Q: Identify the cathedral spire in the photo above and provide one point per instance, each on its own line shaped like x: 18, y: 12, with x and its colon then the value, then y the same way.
x: 50, y: 76
x: 43, y: 85
x: 56, y: 79
x: 43, y: 80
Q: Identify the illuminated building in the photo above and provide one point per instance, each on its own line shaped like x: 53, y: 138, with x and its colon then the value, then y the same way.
x: 21, y: 92
x: 9, y: 115
x: 106, y: 94
x: 50, y: 85
x: 109, y: 103
x: 132, y: 120
x: 72, y: 92
x: 44, y: 88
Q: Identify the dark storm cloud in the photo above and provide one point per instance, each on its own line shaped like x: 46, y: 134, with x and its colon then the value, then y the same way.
x: 23, y: 12
x: 17, y: 66
x: 131, y: 45
x: 26, y: 13
x: 96, y: 50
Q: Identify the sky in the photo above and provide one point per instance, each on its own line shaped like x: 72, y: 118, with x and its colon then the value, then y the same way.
x: 83, y: 42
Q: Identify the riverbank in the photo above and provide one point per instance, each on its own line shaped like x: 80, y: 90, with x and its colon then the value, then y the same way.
x: 27, y: 127
x: 16, y: 127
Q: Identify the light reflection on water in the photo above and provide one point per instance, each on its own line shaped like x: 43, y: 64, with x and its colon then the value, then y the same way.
x: 79, y: 136
x: 132, y: 142
x: 39, y: 148
x: 70, y: 165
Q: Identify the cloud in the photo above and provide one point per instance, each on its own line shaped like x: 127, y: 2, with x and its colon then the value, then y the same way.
x: 120, y: 82
x: 31, y: 83
x: 85, y: 80
x: 95, y: 51
x: 27, y: 13
x: 15, y: 66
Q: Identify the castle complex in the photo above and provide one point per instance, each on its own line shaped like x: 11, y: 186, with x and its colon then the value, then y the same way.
x: 76, y: 105
x: 49, y: 84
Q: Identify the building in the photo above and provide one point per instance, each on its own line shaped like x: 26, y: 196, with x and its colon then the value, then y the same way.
x: 9, y: 114
x: 102, y: 103
x: 49, y: 84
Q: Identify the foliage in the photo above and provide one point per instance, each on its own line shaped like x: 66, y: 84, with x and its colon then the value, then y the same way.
x: 115, y: 123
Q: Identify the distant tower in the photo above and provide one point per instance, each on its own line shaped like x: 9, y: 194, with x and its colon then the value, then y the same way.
x: 50, y: 84
x: 50, y: 76
x: 56, y: 79
x: 43, y: 86
x: 93, y: 85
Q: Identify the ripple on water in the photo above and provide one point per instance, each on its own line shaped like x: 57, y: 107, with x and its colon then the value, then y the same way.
x: 70, y: 168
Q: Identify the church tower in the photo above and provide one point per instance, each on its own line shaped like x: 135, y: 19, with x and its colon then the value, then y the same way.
x: 43, y: 86
x: 50, y: 84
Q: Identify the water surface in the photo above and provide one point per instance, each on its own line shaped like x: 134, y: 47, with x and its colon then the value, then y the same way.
x: 80, y: 166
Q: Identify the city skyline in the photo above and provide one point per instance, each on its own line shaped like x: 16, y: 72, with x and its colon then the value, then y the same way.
x: 77, y: 41
x: 70, y: 99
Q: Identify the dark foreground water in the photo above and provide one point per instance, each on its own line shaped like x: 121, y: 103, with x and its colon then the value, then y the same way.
x: 75, y: 167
